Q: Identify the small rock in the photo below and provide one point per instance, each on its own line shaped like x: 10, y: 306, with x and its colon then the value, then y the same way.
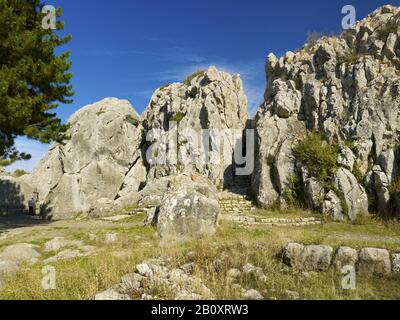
x: 263, y: 278
x: 67, y: 255
x: 187, y: 296
x: 59, y: 243
x: 19, y: 253
x: 292, y: 295
x: 131, y: 282
x: 345, y: 256
x: 233, y: 275
x: 111, y: 294
x: 144, y: 270
x: 250, y: 269
x: 188, y: 268
x: 252, y: 295
x: 237, y: 287
x: 7, y: 269
x: 147, y: 297
x: 373, y: 260
x: 190, y: 255
x: 93, y: 237
x: 111, y: 238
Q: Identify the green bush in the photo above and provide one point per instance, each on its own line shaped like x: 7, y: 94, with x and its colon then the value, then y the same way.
x: 358, y: 174
x: 189, y: 79
x: 178, y: 117
x: 293, y: 193
x: 19, y: 173
x: 319, y: 157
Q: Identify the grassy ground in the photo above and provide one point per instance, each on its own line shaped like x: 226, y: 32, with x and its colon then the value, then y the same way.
x: 232, y: 247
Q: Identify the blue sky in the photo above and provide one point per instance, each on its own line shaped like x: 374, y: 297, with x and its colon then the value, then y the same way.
x: 129, y: 48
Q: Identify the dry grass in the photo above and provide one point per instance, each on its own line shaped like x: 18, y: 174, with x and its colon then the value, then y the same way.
x: 232, y: 247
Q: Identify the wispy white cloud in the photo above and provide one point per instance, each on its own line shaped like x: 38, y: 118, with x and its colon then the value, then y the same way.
x: 250, y: 71
x: 34, y: 148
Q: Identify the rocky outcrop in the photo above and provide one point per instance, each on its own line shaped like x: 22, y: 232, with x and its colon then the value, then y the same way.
x: 113, y: 153
x: 154, y: 276
x: 207, y: 100
x: 101, y: 159
x: 13, y: 256
x: 372, y: 260
x: 185, y: 208
x: 311, y: 258
x: 346, y: 89
x: 319, y: 258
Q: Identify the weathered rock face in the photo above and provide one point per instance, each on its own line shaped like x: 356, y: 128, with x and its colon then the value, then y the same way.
x: 104, y: 165
x: 372, y: 260
x: 345, y: 256
x: 209, y: 99
x: 311, y: 258
x: 186, y: 209
x: 101, y: 160
x: 347, y: 90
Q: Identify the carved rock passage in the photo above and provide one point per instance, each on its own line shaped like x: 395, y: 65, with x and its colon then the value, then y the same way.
x: 347, y: 89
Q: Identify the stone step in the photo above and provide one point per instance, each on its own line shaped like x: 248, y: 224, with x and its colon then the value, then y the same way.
x: 280, y: 222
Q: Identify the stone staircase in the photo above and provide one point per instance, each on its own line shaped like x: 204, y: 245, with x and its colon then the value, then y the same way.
x: 236, y: 205
x: 235, y: 200
x: 272, y: 222
x: 241, y: 185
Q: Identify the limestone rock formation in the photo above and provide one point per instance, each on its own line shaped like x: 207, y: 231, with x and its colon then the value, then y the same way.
x: 102, y: 156
x: 186, y: 207
x: 208, y: 99
x: 310, y: 258
x: 108, y: 159
x: 372, y: 260
x: 346, y: 89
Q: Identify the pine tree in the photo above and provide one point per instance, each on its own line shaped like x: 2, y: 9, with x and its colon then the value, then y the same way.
x: 33, y: 78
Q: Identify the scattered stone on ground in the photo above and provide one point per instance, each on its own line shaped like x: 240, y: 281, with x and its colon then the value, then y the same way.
x: 345, y: 256
x: 111, y: 294
x: 19, y: 253
x: 233, y: 275
x: 319, y: 258
x: 13, y: 256
x: 59, y: 243
x: 69, y: 254
x: 292, y: 295
x: 117, y: 218
x: 111, y: 238
x: 155, y: 275
x: 309, y: 258
x: 373, y: 260
x: 252, y: 295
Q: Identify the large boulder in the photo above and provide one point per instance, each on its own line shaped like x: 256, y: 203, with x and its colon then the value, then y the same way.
x: 309, y: 258
x: 322, y: 88
x: 373, y: 260
x: 351, y: 192
x: 345, y: 256
x: 101, y: 160
x: 186, y: 210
